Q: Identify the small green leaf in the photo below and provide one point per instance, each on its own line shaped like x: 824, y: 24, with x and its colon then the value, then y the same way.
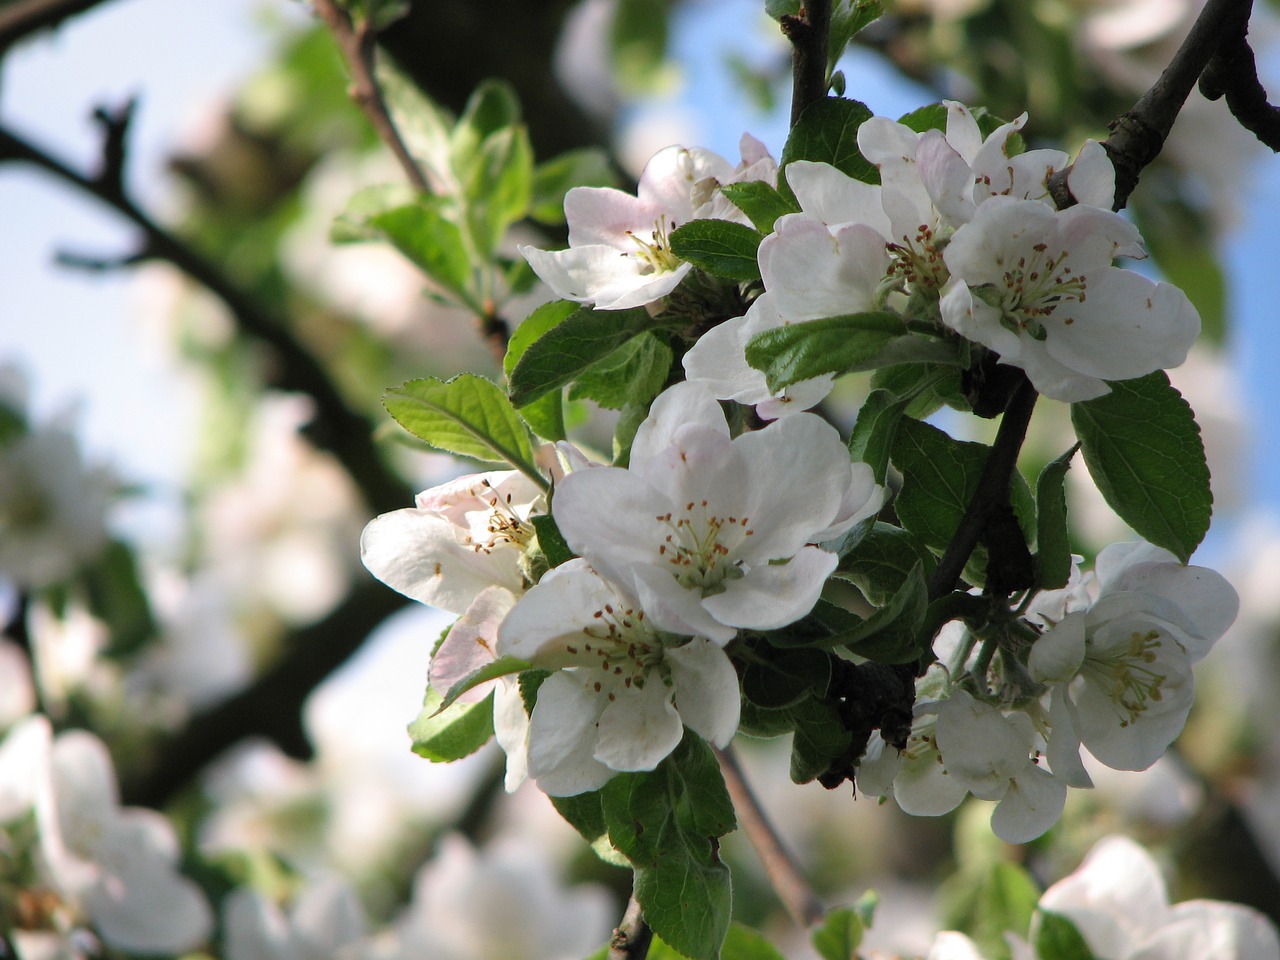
x: 940, y: 477
x: 588, y: 167
x: 930, y: 385
x: 871, y: 439
x: 445, y: 735
x: 492, y: 106
x: 352, y: 225
x: 989, y: 901
x: 1057, y: 938
x: 827, y: 132
x: 668, y: 823
x: 583, y: 812
x: 433, y: 242
x: 422, y: 125
x: 892, y: 633
x: 848, y: 17
x: 801, y: 351
x: 498, y: 186
x: 571, y: 346
x: 760, y: 201
x: 469, y: 416
x: 1142, y: 446
x: 502, y: 667
x: 550, y: 540
x: 638, y: 43
x: 839, y: 935
x: 1053, y: 538
x: 820, y: 738
x: 777, y: 9
x: 932, y: 116
x: 743, y: 943
x: 881, y: 562
x: 720, y: 247
x: 634, y: 373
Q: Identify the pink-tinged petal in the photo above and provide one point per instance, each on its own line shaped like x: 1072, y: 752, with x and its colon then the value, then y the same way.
x: 1032, y: 804
x: 639, y: 727
x: 1126, y: 327
x: 477, y: 492
x: 676, y: 409
x: 772, y: 595
x: 603, y: 215
x: 813, y: 272
x: 836, y: 198
x: 428, y: 559
x: 963, y: 134
x: 1114, y: 898
x: 668, y: 178
x: 706, y: 690
x: 562, y: 736
x: 946, y: 178
x: 976, y: 320
x: 471, y: 643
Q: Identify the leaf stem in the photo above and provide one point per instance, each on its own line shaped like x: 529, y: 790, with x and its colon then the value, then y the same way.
x: 784, y: 873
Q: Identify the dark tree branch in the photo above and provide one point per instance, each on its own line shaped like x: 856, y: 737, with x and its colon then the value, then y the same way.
x: 808, y: 35
x: 993, y: 491
x: 335, y: 427
x: 1138, y: 135
x: 784, y: 873
x: 356, y: 42
x: 631, y: 938
x: 20, y: 18
x: 1233, y: 73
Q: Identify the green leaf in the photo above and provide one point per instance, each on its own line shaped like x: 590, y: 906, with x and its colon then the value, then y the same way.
x: 892, y: 633
x: 720, y: 247
x: 848, y: 17
x: 571, y: 346
x: 352, y: 225
x: 588, y: 167
x: 827, y: 132
x: 988, y: 902
x: 780, y: 678
x: 839, y: 935
x: 550, y: 540
x: 498, y: 186
x: 117, y: 598
x: 467, y: 415
x: 422, y: 125
x: 819, y: 739
x: 871, y: 439
x: 492, y: 106
x: 1142, y: 446
x: 634, y: 373
x: 1057, y: 938
x: 801, y: 351
x: 584, y: 812
x: 932, y: 116
x: 433, y: 242
x: 546, y: 414
x: 668, y: 823
x: 1053, y: 538
x: 777, y: 9
x: 445, y: 735
x: 743, y: 943
x: 502, y: 667
x: 883, y: 560
x: 940, y: 477
x: 760, y: 201
x: 638, y: 43
x: 930, y: 385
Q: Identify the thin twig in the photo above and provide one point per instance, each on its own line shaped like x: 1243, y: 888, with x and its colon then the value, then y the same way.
x: 631, y: 938
x: 784, y: 872
x: 1233, y: 73
x: 21, y: 18
x: 356, y: 41
x: 808, y: 35
x: 993, y: 491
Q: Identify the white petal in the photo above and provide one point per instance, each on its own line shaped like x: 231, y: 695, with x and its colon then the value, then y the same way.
x: 511, y: 730
x: 706, y: 690
x: 1212, y: 930
x: 772, y: 595
x: 562, y: 737
x: 1093, y: 177
x: 1032, y: 804
x: 836, y: 198
x: 814, y: 272
x: 639, y: 727
x: 675, y: 410
x: 605, y: 216
x: 1058, y: 652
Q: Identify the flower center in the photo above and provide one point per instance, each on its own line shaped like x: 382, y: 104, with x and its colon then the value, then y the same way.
x: 700, y: 547
x: 1129, y: 677
x: 917, y: 261
x: 655, y: 253
x: 500, y: 526
x: 619, y: 643
x: 1033, y: 288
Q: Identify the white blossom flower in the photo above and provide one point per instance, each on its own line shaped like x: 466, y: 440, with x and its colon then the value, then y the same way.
x: 324, y: 921
x: 1117, y: 900
x: 1120, y: 671
x: 619, y: 253
x: 1037, y: 287
x: 622, y: 691
x: 107, y: 868
x: 710, y: 533
x: 52, y: 508
x: 503, y: 901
